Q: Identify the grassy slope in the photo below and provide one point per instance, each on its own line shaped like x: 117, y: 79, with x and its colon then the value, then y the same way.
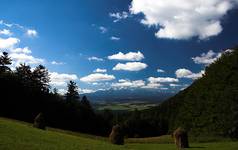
x: 20, y: 136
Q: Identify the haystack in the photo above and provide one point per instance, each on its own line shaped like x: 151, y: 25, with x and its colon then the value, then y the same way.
x: 181, y: 138
x: 116, y: 136
x: 39, y: 122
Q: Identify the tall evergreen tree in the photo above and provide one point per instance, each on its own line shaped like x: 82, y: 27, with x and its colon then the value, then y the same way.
x: 72, y: 93
x: 5, y: 60
x: 24, y: 72
x: 41, y: 76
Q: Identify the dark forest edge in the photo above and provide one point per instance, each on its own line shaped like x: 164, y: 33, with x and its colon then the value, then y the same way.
x: 209, y: 107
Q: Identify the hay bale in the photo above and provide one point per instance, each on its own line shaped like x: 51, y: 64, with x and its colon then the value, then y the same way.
x: 181, y: 138
x: 39, y: 122
x: 116, y: 136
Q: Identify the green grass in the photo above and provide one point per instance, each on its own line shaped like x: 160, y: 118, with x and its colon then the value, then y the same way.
x: 125, y: 106
x: 16, y: 135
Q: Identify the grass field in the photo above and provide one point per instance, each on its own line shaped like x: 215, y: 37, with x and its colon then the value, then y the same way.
x: 126, y: 106
x: 15, y: 135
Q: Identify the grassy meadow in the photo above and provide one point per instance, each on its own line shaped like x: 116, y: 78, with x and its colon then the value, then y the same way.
x: 124, y: 106
x: 16, y: 135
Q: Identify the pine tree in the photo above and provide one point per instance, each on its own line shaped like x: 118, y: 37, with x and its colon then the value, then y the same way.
x: 24, y: 72
x: 72, y: 93
x: 41, y: 77
x: 5, y: 60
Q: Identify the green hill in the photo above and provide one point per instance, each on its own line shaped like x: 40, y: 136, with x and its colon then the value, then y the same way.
x: 15, y: 135
x: 210, y: 105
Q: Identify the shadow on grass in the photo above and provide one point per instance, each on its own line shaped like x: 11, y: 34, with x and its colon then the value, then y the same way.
x: 196, y: 147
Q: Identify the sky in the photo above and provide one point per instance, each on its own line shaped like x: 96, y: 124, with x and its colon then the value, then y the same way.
x: 148, y: 44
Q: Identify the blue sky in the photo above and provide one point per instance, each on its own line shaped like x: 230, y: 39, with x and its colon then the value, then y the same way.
x: 179, y: 37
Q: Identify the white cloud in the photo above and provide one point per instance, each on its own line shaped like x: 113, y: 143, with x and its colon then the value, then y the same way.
x: 174, y: 85
x: 95, y: 58
x: 98, y: 70
x: 185, y: 73
x: 160, y: 70
x: 156, y: 82
x: 180, y: 73
x: 25, y: 50
x: 62, y: 91
x: 183, y: 19
x: 152, y: 86
x: 9, y: 25
x: 8, y: 43
x: 162, y: 80
x: 85, y: 91
x: 97, y: 77
x: 5, y: 32
x: 130, y: 66
x: 206, y: 58
x: 123, y: 83
x: 114, y: 38
x: 24, y: 58
x: 57, y: 79
x: 81, y: 91
x: 5, y: 24
x: 57, y: 63
x: 103, y: 29
x: 119, y: 16
x: 131, y: 56
x: 31, y: 33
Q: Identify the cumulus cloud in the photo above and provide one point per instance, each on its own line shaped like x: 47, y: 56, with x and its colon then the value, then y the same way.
x: 6, y: 32
x: 119, y: 16
x: 183, y: 19
x: 185, y: 73
x: 63, y: 91
x: 130, y: 66
x: 131, y: 56
x: 8, y: 43
x: 58, y: 79
x: 85, y: 91
x: 162, y: 80
x: 19, y: 58
x: 152, y: 86
x: 25, y: 50
x: 206, y: 58
x: 157, y: 82
x: 31, y: 33
x: 97, y: 77
x: 123, y: 83
x: 98, y: 70
x: 160, y: 70
x: 114, y: 38
x: 94, y: 58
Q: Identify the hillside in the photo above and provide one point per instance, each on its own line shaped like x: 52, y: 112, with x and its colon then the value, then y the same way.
x: 15, y: 135
x: 210, y: 105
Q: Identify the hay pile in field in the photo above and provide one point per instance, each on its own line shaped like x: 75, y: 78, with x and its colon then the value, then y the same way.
x: 39, y: 122
x: 181, y: 138
x: 116, y: 136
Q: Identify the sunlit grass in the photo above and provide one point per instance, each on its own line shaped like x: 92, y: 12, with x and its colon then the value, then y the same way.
x: 16, y: 135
